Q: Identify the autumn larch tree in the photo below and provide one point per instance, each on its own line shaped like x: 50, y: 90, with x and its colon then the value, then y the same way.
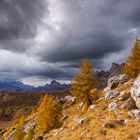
x: 83, y: 83
x: 132, y: 66
x: 49, y: 114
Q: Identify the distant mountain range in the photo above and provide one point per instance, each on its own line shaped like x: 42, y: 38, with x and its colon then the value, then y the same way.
x: 20, y: 87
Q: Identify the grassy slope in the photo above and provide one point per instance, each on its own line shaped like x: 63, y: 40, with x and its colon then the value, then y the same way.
x: 94, y: 128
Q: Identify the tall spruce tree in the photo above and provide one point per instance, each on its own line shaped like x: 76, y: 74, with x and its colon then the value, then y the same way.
x: 132, y: 66
x: 83, y: 82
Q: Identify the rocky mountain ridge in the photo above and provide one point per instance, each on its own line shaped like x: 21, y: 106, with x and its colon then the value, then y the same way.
x: 20, y: 87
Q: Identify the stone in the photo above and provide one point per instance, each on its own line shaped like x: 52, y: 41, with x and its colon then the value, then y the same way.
x: 29, y: 125
x: 126, y: 121
x: 113, y: 106
x: 124, y: 95
x: 135, y: 113
x: 57, y: 132
x: 117, y: 80
x: 80, y: 121
x: 69, y: 98
x: 68, y: 101
x: 64, y: 117
x: 91, y: 107
x: 11, y: 136
x: 129, y: 104
x: 80, y: 106
x: 111, y: 94
x: 135, y: 92
x: 2, y: 132
x: 103, y: 76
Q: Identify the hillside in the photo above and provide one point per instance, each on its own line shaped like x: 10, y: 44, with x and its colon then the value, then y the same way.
x: 114, y: 116
x: 15, y: 104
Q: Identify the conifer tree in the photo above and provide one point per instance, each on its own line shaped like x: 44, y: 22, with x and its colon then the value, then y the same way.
x: 18, y: 133
x: 49, y: 114
x: 132, y: 66
x: 83, y: 83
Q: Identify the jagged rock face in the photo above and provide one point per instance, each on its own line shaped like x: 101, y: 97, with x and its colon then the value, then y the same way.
x: 117, y: 80
x: 116, y: 69
x: 103, y: 76
x: 129, y: 104
x: 135, y: 92
x: 111, y: 94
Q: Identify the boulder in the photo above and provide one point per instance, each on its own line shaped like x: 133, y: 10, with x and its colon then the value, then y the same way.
x: 113, y: 107
x: 135, y: 113
x: 117, y: 80
x: 91, y: 107
x: 29, y: 125
x: 124, y: 95
x: 59, y: 130
x: 80, y: 121
x: 129, y: 104
x: 68, y: 101
x: 135, y: 92
x: 103, y: 76
x: 111, y: 94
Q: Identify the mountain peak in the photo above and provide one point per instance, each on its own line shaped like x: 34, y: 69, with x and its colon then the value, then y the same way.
x: 54, y: 83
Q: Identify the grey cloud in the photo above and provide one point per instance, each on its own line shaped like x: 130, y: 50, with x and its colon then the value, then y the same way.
x: 19, y: 18
x: 68, y: 31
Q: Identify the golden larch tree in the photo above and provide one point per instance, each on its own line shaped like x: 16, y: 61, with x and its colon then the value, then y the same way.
x: 83, y: 82
x: 48, y: 115
x: 132, y: 65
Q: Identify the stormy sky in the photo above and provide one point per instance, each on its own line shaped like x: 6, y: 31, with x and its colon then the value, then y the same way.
x: 42, y: 40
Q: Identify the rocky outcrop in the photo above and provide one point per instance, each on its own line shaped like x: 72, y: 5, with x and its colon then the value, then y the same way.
x: 103, y: 76
x: 68, y: 100
x: 129, y: 104
x: 135, y: 92
x: 111, y: 94
x: 135, y: 113
x: 113, y: 106
x: 117, y: 80
x: 116, y: 69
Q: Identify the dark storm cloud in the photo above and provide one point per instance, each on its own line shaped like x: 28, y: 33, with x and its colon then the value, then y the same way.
x: 60, y: 33
x: 19, y: 18
x: 91, y: 29
x: 94, y: 48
